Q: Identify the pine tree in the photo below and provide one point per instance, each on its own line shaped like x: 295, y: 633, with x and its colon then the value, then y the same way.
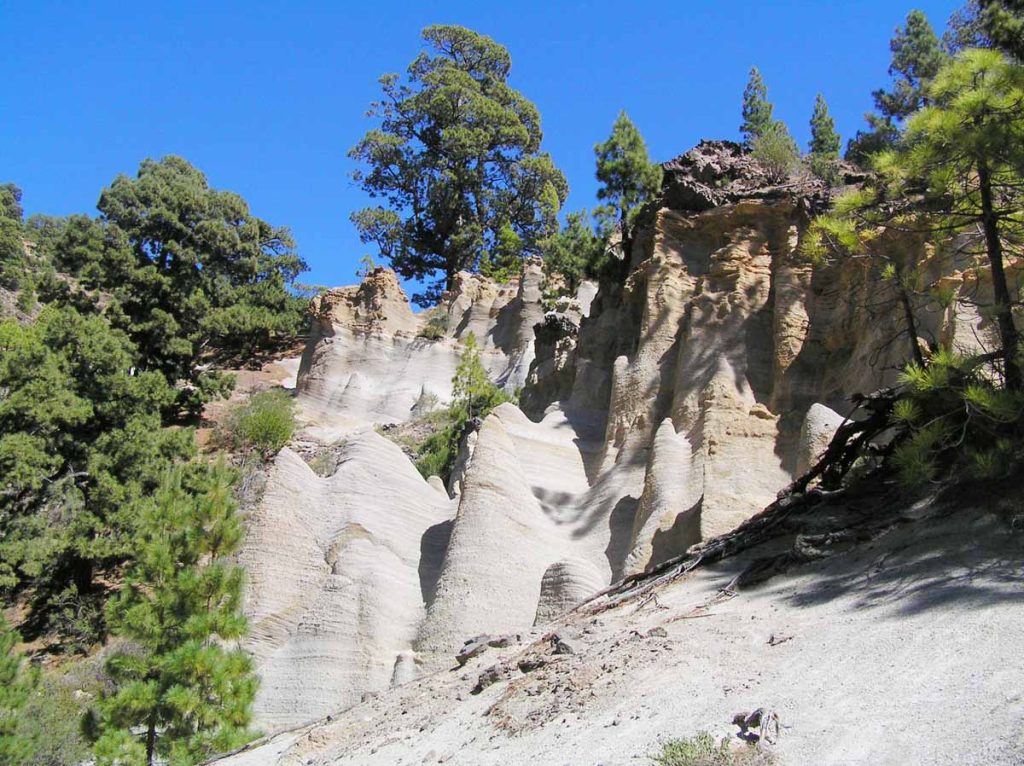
x: 917, y: 56
x: 456, y: 158
x: 81, y: 447
x: 474, y: 396
x: 628, y: 177
x: 178, y: 681
x: 964, y: 30
x: 967, y: 145
x: 12, y: 250
x: 824, y: 144
x: 189, y: 268
x: 1003, y: 23
x: 16, y: 683
x: 824, y: 139
x: 757, y: 110
x: 575, y: 253
x: 503, y: 262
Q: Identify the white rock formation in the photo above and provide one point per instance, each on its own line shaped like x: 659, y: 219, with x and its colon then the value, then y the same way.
x: 820, y: 424
x: 565, y: 585
x: 664, y: 409
x: 343, y: 571
x: 668, y: 515
x: 501, y: 544
x: 338, y: 571
x: 367, y: 361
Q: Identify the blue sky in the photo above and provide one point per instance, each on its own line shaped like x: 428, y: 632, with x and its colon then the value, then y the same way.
x: 267, y: 98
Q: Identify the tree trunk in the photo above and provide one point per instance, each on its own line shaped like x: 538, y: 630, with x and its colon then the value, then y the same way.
x: 151, y: 739
x: 81, y: 574
x: 908, y: 315
x: 626, y: 236
x: 1008, y: 335
x: 449, y: 276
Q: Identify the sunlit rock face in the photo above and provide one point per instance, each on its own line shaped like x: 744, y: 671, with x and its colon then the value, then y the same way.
x: 663, y: 408
x: 370, y: 359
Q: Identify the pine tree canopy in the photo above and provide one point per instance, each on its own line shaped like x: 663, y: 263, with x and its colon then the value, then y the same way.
x: 1002, y: 22
x: 917, y: 56
x: 190, y: 270
x: 628, y: 177
x: 81, y: 444
x: 824, y: 139
x: 12, y: 251
x: 967, y: 147
x: 183, y: 693
x: 575, y: 253
x: 757, y: 110
x: 456, y: 161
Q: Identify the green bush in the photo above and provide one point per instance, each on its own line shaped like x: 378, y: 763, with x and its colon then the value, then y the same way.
x: 474, y: 396
x: 703, y: 750
x: 436, y: 326
x: 438, y: 452
x: 263, y: 424
x: 827, y: 169
x: 777, y: 152
x: 77, y: 618
x: 952, y: 411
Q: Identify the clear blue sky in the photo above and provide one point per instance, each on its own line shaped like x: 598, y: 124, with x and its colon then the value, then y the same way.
x: 266, y: 98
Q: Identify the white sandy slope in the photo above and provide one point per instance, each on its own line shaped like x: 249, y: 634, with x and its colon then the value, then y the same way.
x: 904, y: 651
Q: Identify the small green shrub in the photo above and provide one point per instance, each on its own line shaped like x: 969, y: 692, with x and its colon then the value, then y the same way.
x: 264, y: 423
x: 436, y: 325
x: 953, y: 411
x: 703, y: 750
x: 366, y: 267
x: 27, y: 299
x: 438, y: 452
x: 776, y: 151
x: 474, y: 397
x: 77, y: 618
x: 825, y: 168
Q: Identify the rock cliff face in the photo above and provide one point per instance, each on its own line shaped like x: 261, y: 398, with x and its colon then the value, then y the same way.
x: 674, y: 409
x: 371, y: 359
